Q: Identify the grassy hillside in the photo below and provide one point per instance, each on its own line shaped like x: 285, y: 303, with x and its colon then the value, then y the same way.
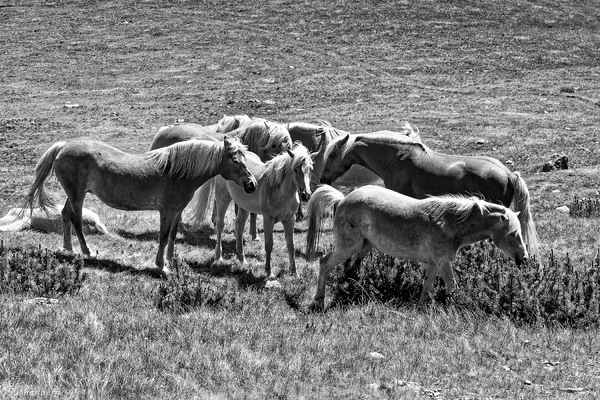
x: 518, y: 81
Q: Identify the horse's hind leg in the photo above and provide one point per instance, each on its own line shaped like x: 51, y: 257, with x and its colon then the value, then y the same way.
x: 66, y: 217
x: 76, y: 218
x: 329, y: 261
x: 353, y: 263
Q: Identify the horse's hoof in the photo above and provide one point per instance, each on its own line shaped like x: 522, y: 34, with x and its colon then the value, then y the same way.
x: 316, y: 306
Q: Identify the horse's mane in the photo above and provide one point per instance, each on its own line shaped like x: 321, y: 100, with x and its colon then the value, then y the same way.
x: 282, y: 165
x: 412, y: 141
x: 459, y: 207
x: 191, y: 158
x: 230, y: 122
x: 262, y: 135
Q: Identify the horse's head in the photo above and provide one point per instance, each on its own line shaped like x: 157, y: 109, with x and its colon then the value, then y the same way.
x: 335, y: 161
x: 506, y: 234
x: 302, y: 165
x: 234, y: 167
x: 276, y: 139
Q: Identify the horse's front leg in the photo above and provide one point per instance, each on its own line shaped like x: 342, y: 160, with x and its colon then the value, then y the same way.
x: 430, y: 274
x: 240, y: 222
x: 288, y: 229
x: 445, y: 269
x: 166, y: 221
x: 299, y: 213
x: 268, y: 223
x: 173, y: 236
x: 253, y: 231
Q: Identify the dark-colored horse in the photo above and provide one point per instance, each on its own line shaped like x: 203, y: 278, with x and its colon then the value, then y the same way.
x: 414, y: 170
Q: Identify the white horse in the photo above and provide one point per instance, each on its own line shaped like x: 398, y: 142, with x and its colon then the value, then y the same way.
x: 430, y: 230
x: 49, y: 221
x: 276, y: 198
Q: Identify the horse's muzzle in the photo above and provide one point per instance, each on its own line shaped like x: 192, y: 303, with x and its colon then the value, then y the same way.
x: 305, y: 196
x: 521, y: 260
x: 250, y: 186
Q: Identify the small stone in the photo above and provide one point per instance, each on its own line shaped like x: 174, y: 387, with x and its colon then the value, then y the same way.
x: 563, y: 209
x: 376, y: 355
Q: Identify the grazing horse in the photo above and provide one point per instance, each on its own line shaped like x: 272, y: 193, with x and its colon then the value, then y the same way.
x: 163, y: 180
x: 49, y: 221
x: 265, y: 138
x: 416, y: 171
x: 276, y: 199
x: 430, y: 230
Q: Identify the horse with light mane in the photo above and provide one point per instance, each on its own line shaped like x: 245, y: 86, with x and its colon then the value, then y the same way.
x: 276, y: 199
x: 416, y: 171
x: 49, y: 220
x: 430, y: 230
x: 162, y: 180
x: 265, y: 138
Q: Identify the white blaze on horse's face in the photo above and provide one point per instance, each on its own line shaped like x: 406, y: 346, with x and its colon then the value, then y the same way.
x: 508, y: 238
x: 236, y: 168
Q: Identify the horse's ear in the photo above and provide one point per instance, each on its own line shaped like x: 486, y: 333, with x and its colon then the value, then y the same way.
x: 517, y: 213
x: 313, y: 156
x: 503, y: 217
x: 290, y: 153
x: 227, y: 143
x: 344, y: 139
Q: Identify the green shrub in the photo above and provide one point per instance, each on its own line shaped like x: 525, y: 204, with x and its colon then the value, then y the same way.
x: 184, y: 290
x: 584, y: 207
x: 39, y: 273
x: 488, y: 282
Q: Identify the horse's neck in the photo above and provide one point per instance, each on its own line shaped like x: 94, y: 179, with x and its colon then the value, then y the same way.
x: 376, y: 157
x: 472, y: 231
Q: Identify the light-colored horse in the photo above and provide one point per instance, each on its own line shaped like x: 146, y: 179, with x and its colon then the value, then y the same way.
x: 430, y: 230
x: 416, y: 171
x: 162, y: 180
x: 276, y: 199
x: 265, y: 138
x: 49, y: 221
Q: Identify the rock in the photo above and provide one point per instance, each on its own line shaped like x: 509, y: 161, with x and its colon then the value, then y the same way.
x: 563, y: 209
x: 556, y: 162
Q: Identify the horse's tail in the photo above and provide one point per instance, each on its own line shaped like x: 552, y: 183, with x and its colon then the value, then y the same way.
x: 201, y: 203
x: 320, y: 201
x: 521, y: 203
x: 43, y: 169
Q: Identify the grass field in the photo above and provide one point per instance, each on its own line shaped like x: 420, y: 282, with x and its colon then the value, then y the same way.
x: 517, y: 80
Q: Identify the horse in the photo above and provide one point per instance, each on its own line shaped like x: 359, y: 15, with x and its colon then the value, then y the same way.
x: 49, y: 221
x: 416, y: 171
x: 163, y: 180
x: 276, y: 199
x: 430, y: 230
x: 264, y: 138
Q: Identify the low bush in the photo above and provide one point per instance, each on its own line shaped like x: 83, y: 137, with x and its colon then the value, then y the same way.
x: 584, y: 207
x: 489, y: 282
x: 39, y: 273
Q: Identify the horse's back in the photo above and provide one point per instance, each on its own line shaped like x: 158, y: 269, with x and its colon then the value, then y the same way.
x: 393, y: 223
x: 439, y: 174
x: 168, y: 135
